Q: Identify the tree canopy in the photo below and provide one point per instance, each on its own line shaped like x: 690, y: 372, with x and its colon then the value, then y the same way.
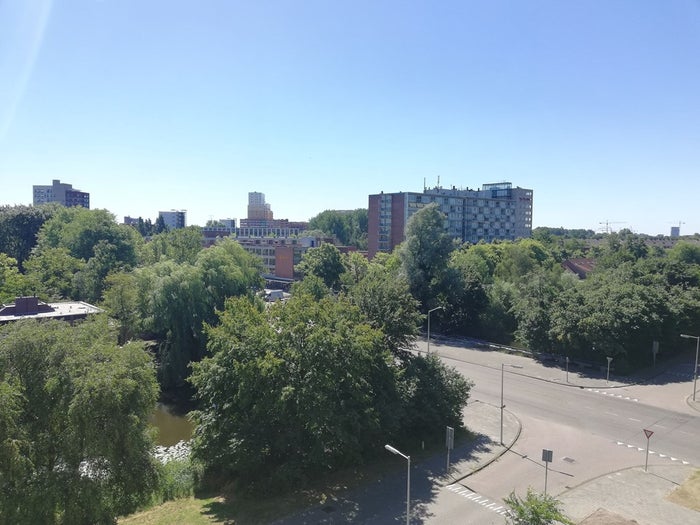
x: 74, y: 442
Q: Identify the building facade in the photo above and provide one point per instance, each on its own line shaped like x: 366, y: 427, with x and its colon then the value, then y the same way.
x: 495, y: 212
x: 258, y: 209
x: 174, y: 219
x: 62, y: 193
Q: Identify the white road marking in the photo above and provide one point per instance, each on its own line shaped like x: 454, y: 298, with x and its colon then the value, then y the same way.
x: 633, y: 419
x: 640, y: 449
x: 477, y: 498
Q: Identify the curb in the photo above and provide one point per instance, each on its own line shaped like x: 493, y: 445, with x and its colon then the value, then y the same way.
x: 480, y: 467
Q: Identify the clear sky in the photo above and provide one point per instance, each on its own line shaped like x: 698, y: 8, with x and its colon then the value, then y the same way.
x: 155, y: 105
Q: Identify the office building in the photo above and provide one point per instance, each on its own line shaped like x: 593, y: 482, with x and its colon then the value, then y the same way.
x: 495, y: 212
x: 61, y: 193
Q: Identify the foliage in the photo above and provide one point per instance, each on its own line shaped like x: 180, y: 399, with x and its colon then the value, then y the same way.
x: 51, y: 273
x: 93, y: 238
x: 348, y: 227
x: 300, y: 388
x: 388, y: 305
x: 425, y: 254
x: 170, y: 302
x: 295, y: 389
x: 181, y: 245
x: 12, y: 283
x: 535, y: 509
x: 19, y: 227
x: 75, y: 446
x: 176, y: 479
x: 433, y: 394
x: 325, y: 262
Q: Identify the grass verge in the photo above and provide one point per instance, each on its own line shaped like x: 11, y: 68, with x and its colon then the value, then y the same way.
x: 227, y: 508
x: 688, y: 494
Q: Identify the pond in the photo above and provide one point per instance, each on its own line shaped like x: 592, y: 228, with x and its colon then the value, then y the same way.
x: 171, y: 426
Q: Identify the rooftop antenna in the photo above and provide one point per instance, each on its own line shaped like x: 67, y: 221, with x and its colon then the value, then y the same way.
x: 607, y: 224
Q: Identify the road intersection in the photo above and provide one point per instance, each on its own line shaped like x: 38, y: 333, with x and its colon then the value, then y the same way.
x: 594, y: 427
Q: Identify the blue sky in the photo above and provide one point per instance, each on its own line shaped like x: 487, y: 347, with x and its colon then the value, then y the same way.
x: 156, y: 105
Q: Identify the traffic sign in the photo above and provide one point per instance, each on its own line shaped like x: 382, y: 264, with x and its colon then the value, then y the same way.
x: 648, y: 433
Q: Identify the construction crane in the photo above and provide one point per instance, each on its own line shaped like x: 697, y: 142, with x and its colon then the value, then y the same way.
x: 607, y: 224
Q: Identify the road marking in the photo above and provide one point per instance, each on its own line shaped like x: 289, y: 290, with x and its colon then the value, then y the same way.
x: 612, y: 414
x: 612, y: 394
x: 633, y: 419
x: 494, y: 506
x: 640, y: 449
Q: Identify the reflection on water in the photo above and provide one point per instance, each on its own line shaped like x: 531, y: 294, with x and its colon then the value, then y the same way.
x: 171, y: 427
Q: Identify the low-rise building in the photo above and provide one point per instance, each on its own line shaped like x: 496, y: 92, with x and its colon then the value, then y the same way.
x: 33, y: 308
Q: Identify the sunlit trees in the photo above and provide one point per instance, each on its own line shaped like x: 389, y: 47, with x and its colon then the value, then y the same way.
x: 425, y: 253
x: 303, y: 387
x: 291, y: 391
x: 348, y: 227
x: 387, y: 303
x: 74, y: 443
x: 19, y: 226
x: 534, y: 509
x: 325, y: 262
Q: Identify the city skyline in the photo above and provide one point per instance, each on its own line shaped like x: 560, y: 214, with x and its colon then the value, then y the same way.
x: 165, y: 105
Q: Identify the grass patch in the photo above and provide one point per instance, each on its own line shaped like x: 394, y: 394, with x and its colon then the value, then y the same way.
x: 688, y: 494
x: 227, y: 507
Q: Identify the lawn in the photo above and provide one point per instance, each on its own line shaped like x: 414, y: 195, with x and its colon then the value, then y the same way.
x: 688, y: 494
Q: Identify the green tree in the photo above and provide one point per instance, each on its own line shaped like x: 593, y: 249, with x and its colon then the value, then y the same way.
x: 12, y: 283
x: 19, y: 227
x: 325, y: 262
x: 387, y: 303
x: 425, y: 254
x: 74, y: 446
x: 291, y: 391
x: 348, y: 227
x: 121, y: 303
x: 534, y: 509
x: 52, y: 271
x: 181, y: 245
x: 93, y: 237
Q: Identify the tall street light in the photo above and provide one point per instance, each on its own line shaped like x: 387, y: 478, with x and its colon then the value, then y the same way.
x: 429, y: 312
x: 408, y: 480
x: 695, y: 370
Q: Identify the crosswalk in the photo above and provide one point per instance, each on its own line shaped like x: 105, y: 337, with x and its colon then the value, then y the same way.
x: 493, y: 506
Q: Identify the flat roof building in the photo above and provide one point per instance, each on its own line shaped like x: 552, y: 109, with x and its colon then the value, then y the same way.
x: 61, y: 193
x: 495, y: 212
x: 33, y: 308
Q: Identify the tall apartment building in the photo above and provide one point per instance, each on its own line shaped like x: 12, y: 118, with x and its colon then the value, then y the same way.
x: 258, y: 209
x: 495, y: 212
x: 62, y: 193
x: 174, y: 219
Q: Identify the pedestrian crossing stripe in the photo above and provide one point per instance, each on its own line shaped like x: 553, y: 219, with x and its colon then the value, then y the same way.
x: 477, y: 498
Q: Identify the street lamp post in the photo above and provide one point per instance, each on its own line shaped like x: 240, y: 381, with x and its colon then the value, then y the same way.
x: 695, y: 370
x: 607, y: 377
x: 408, y: 480
x: 429, y: 312
x: 502, y: 405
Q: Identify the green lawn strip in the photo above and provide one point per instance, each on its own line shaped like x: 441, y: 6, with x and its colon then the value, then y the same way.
x: 229, y: 508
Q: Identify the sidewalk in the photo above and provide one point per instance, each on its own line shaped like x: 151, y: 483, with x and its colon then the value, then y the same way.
x: 629, y: 493
x: 484, y: 420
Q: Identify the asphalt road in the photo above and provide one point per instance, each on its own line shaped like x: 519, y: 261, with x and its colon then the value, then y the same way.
x: 593, y: 428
